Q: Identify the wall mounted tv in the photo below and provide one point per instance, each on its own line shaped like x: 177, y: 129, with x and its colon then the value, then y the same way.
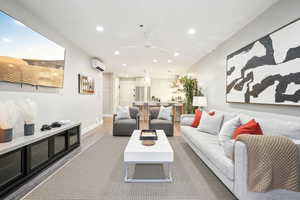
x: 27, y: 57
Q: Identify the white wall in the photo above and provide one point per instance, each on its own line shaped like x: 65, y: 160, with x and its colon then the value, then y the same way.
x: 160, y: 88
x: 108, y: 87
x: 211, y: 69
x: 126, y: 95
x: 116, y: 93
x: 57, y: 104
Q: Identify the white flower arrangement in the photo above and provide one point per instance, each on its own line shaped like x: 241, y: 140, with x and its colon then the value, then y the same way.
x: 29, y: 110
x: 8, y: 114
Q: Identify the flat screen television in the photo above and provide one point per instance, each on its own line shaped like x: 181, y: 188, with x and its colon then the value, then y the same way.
x: 27, y: 57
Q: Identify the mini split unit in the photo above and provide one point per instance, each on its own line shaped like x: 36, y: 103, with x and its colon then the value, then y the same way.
x: 97, y: 64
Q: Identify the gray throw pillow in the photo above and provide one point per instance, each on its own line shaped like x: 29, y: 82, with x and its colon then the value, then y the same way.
x: 165, y: 113
x: 210, y: 123
x: 123, y: 112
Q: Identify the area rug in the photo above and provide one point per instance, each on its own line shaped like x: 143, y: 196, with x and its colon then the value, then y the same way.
x: 98, y: 173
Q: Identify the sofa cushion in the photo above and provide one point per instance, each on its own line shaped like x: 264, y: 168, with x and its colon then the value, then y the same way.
x: 133, y: 111
x: 228, y: 148
x: 273, y: 126
x: 280, y: 127
x: 227, y: 115
x: 160, y: 124
x: 209, y: 145
x: 154, y: 113
x: 125, y: 121
x: 210, y: 123
x: 186, y: 119
x: 160, y: 121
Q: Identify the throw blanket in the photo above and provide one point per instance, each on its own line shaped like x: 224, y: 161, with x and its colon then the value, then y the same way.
x: 272, y: 163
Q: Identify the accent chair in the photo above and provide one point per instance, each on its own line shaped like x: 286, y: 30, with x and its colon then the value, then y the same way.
x: 160, y: 124
x: 125, y: 127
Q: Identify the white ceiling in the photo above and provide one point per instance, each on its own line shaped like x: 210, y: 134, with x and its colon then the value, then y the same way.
x: 167, y: 20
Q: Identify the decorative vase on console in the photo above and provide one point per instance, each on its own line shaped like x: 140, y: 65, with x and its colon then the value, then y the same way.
x: 8, y: 118
x: 29, y: 113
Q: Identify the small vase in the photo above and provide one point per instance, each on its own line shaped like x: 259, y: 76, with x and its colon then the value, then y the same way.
x: 28, y: 129
x: 6, y: 135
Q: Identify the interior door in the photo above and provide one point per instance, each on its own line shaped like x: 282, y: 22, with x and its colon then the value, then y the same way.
x: 127, y: 91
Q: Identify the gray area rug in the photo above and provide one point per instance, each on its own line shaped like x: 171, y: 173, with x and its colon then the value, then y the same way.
x: 98, y: 173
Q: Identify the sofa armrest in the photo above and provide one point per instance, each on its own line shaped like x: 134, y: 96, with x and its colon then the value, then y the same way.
x: 241, y: 177
x: 114, y: 118
x: 297, y: 142
x: 240, y: 170
x: 186, y: 119
x: 138, y: 116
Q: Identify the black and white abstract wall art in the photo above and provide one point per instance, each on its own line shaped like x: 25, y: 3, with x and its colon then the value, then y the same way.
x: 267, y: 71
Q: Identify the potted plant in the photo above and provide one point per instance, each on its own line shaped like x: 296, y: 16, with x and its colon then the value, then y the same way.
x: 190, y: 89
x: 8, y: 118
x: 29, y: 112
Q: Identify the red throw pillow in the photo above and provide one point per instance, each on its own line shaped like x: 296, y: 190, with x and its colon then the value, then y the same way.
x: 251, y: 127
x: 197, y: 118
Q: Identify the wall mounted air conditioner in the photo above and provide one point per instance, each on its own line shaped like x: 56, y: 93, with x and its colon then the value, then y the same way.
x: 97, y: 64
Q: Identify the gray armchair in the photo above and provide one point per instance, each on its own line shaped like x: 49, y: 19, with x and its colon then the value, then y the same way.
x: 160, y: 124
x: 125, y: 127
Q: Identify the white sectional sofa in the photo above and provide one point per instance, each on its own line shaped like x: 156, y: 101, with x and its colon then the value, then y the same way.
x: 234, y: 173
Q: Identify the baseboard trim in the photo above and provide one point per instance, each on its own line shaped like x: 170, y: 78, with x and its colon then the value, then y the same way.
x: 91, y: 127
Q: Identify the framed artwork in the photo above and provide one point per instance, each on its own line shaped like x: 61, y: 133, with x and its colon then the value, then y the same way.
x: 86, y: 85
x: 27, y: 57
x: 267, y: 71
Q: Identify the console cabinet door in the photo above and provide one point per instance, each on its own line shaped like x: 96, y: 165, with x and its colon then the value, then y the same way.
x: 74, y: 136
x: 11, y: 166
x: 60, y: 143
x: 38, y: 154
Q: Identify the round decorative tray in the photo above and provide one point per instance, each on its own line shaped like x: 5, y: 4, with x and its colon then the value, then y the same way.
x: 148, y: 142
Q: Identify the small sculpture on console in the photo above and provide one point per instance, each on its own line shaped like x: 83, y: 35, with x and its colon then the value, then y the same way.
x: 29, y: 112
x: 8, y: 117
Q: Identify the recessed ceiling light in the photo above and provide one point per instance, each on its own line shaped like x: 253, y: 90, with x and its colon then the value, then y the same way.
x: 191, y: 31
x: 176, y: 54
x: 169, y: 61
x: 124, y: 65
x: 99, y: 28
x: 154, y: 60
x: 117, y: 52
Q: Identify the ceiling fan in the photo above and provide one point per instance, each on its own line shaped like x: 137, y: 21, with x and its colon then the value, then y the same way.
x: 147, y: 41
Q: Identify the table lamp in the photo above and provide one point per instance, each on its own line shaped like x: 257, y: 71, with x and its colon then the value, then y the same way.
x: 200, y: 101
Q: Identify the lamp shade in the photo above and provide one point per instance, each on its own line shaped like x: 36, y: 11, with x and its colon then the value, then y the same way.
x: 199, y: 101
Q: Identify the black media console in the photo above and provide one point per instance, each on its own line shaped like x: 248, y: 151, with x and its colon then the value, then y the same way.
x: 26, y: 156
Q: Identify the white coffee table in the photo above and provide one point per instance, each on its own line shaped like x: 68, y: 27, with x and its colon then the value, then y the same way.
x: 160, y: 153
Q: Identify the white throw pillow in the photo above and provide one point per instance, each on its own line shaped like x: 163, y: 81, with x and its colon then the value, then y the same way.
x: 123, y: 112
x: 165, y: 113
x: 210, y: 123
x: 228, y: 128
x: 229, y: 149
